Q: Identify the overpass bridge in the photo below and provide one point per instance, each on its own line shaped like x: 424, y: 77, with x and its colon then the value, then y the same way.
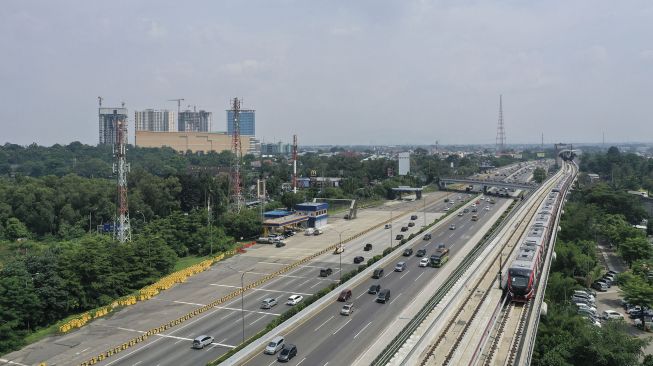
x: 486, y: 183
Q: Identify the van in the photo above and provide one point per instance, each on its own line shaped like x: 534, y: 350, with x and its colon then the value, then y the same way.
x: 378, y: 273
x: 268, y: 303
x: 275, y: 345
x: 383, y: 296
x: 202, y: 341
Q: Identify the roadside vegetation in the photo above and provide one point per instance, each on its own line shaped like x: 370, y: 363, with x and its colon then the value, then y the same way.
x: 600, y: 212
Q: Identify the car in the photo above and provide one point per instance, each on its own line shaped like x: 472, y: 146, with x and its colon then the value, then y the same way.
x: 325, y: 272
x: 318, y: 232
x: 587, y: 312
x: 583, y: 300
x: 202, y: 341
x: 358, y: 259
x: 420, y: 252
x: 280, y: 244
x: 585, y: 306
x: 399, y: 237
x: 268, y: 303
x: 404, y: 228
x: 294, y: 299
x: 613, y: 272
x: 288, y: 233
x: 399, y: 267
x: 367, y: 247
x: 408, y: 252
x: 387, y: 226
x: 347, y: 309
x: 586, y: 293
x: 378, y: 273
x: 466, y: 210
x: 339, y: 249
x: 487, y: 208
x: 446, y: 209
x: 611, y: 314
x: 288, y: 352
x: 474, y: 209
x: 383, y: 296
x: 426, y: 237
x: 461, y: 213
x: 413, y: 217
x: 374, y: 289
x: 604, y: 281
x: 411, y: 224
x: 424, y: 262
x: 583, y: 294
x: 274, y: 345
x: 344, y: 295
x: 452, y: 227
x: 599, y: 286
x: 310, y: 231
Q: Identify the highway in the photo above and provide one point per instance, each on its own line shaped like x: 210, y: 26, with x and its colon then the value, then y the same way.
x: 329, y: 338
x: 225, y: 322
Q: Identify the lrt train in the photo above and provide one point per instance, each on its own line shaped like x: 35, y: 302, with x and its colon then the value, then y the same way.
x: 524, y: 271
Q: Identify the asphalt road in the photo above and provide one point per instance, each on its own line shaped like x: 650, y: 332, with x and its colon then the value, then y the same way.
x: 225, y: 323
x: 329, y: 338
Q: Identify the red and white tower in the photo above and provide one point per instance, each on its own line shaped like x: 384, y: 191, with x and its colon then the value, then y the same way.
x: 122, y: 229
x: 294, y: 163
x: 235, y: 180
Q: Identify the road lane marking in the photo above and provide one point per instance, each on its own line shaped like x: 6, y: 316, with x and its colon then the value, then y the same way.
x: 394, y: 299
x: 263, y: 316
x: 12, y: 362
x: 361, y: 331
x: 358, y: 297
x: 315, y: 285
x: 334, y: 333
x: 84, y: 350
x: 332, y: 316
x: 138, y: 363
x: 188, y: 303
x: 272, y: 363
x: 264, y: 289
x: 402, y: 276
x: 304, y: 359
x: 420, y: 275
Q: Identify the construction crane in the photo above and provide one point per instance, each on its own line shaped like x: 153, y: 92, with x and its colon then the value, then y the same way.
x: 179, y: 100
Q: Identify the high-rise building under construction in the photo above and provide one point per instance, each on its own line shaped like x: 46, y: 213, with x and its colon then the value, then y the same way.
x: 108, y: 124
x: 194, y: 121
x: 155, y: 120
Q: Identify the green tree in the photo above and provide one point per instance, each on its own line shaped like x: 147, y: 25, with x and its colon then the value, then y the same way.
x: 14, y: 229
x: 539, y: 175
x: 635, y: 248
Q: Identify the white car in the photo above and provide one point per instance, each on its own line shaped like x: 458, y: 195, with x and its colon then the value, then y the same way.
x: 487, y: 208
x: 424, y: 262
x: 580, y: 305
x: 294, y: 299
x: 611, y: 314
x: 446, y: 208
x: 347, y: 309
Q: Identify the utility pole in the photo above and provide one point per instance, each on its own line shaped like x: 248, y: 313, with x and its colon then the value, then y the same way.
x: 122, y: 229
x: 235, y: 181
x: 501, y: 131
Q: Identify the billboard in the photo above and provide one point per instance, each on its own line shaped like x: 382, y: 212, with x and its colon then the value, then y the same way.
x: 541, y: 154
x: 404, y: 163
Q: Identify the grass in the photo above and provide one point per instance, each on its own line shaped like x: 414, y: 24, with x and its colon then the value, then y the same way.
x: 188, y: 261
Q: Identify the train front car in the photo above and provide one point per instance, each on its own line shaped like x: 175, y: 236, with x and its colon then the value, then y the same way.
x: 521, y: 280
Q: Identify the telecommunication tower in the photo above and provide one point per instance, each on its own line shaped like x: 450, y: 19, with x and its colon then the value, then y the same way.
x: 122, y: 229
x: 235, y: 181
x: 294, y: 163
x: 501, y: 132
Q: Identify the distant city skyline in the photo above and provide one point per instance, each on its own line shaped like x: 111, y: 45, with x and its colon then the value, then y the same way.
x: 408, y: 72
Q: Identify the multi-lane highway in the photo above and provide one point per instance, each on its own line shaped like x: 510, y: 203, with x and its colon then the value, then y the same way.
x: 224, y: 323
x: 329, y: 338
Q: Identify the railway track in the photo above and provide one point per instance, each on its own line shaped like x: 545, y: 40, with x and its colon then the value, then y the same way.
x: 444, y: 349
x: 508, y: 334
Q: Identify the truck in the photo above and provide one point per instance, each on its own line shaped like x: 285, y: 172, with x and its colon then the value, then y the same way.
x: 440, y: 257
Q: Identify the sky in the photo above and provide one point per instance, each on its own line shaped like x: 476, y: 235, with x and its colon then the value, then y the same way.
x: 335, y: 72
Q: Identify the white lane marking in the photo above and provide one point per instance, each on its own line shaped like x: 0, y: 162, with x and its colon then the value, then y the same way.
x: 325, y: 364
x: 188, y: 303
x: 263, y: 316
x: 264, y: 289
x: 222, y: 341
x: 12, y: 362
x: 265, y: 274
x: 272, y: 363
x: 394, y: 299
x: 361, y: 331
x: 305, y: 282
x: 332, y: 316
x: 341, y: 327
x: 315, y: 285
x: 362, y: 293
x: 84, y: 350
x: 402, y: 276
x: 304, y: 359
x: 137, y: 363
x: 276, y: 264
x: 420, y: 275
x: 190, y: 339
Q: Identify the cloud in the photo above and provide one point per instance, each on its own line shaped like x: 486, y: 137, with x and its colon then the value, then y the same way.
x: 243, y: 67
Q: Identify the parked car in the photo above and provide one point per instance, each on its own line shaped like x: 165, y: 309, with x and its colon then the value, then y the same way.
x: 325, y: 272
x: 600, y: 286
x: 202, y: 341
x: 611, y: 314
x: 420, y: 253
x: 280, y: 244
x: 426, y: 237
x: 347, y: 309
x: 358, y: 259
x: 367, y: 247
x: 408, y: 252
x: 399, y: 237
x: 411, y: 224
x: 287, y: 353
x: 413, y: 217
x: 374, y: 289
x: 387, y: 226
x: 294, y: 299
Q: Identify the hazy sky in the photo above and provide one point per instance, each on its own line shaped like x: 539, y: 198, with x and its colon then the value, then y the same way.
x: 335, y: 72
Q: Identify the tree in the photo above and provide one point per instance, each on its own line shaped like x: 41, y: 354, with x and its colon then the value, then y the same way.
x: 539, y: 175
x: 635, y: 248
x: 14, y: 229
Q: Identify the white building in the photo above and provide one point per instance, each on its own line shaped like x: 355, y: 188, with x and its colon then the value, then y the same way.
x: 404, y: 163
x: 155, y: 120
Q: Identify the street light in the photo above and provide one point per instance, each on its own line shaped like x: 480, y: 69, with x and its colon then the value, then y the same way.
x: 340, y: 252
x: 391, y: 211
x: 242, y: 297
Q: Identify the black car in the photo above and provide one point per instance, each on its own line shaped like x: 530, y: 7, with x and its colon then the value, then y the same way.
x: 404, y: 228
x: 383, y: 296
x: 399, y: 237
x: 289, y: 351
x: 427, y: 237
x: 408, y: 252
x: 413, y: 217
x: 378, y: 273
x: 411, y: 224
x: 374, y: 289
x: 280, y: 244
x: 358, y: 259
x: 367, y: 247
x: 288, y: 233
x: 421, y: 253
x: 325, y: 272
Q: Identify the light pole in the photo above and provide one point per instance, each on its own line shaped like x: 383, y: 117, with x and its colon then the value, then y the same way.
x: 341, y: 249
x: 391, y: 211
x: 424, y: 198
x: 242, y: 302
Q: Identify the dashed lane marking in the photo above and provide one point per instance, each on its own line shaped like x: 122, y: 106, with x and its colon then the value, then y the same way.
x: 361, y: 331
x: 337, y: 330
x: 264, y: 289
x: 316, y: 329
